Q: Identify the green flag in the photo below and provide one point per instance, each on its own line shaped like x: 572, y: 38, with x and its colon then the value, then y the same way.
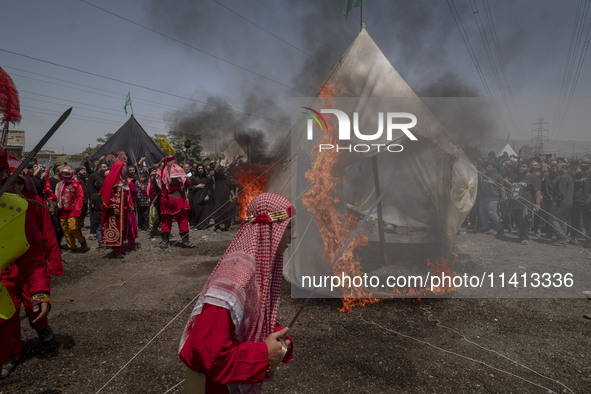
x: 349, y: 4
x: 127, y: 102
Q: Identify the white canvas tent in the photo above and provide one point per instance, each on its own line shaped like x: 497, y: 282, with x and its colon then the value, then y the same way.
x: 436, y: 183
x: 234, y: 154
x: 507, y: 149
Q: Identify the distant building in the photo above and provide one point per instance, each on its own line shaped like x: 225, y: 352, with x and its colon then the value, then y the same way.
x: 15, y: 143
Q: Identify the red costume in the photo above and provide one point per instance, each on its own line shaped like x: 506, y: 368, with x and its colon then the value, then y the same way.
x: 237, y: 308
x: 117, y: 202
x: 28, y: 279
x: 70, y: 200
x: 173, y: 201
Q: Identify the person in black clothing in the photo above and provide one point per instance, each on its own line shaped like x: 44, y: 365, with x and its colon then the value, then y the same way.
x: 224, y: 196
x: 549, y: 177
x: 580, y: 210
x: 96, y: 207
x: 505, y: 207
x: 81, y: 176
x: 96, y: 176
x: 53, y: 208
x: 155, y: 199
x: 491, y: 192
x: 562, y: 202
x: 142, y: 203
x: 199, y: 195
x: 526, y: 196
x: 34, y: 171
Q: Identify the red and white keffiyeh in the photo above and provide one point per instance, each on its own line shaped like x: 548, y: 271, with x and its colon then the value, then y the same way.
x: 247, y: 279
x: 169, y: 172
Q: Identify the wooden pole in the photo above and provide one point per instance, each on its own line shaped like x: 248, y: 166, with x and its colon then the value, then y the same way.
x: 376, y: 182
x: 361, y: 17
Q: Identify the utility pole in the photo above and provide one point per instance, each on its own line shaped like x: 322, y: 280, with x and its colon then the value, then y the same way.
x: 540, y: 131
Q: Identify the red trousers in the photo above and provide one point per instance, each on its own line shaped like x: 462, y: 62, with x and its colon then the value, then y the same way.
x: 182, y: 218
x: 11, y: 344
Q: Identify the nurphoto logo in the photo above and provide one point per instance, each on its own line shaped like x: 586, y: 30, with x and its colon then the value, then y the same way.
x: 393, y: 123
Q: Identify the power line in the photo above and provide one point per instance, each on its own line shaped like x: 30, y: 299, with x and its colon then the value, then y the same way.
x: 78, y: 104
x: 138, y: 86
x: 484, y: 37
x: 262, y: 28
x: 190, y: 46
x: 504, y: 85
x: 465, y: 38
x: 570, y: 80
x: 112, y: 93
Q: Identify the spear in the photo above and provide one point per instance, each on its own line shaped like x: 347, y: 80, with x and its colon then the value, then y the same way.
x: 338, y: 256
x: 35, y: 150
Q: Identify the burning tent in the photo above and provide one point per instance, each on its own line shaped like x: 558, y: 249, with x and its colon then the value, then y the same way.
x: 434, y: 189
x: 132, y: 139
x: 234, y: 154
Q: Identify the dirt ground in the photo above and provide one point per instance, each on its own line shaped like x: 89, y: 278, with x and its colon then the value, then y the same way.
x: 118, y: 324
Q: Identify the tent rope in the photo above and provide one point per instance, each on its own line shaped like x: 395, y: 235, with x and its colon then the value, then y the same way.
x: 438, y: 324
x: 149, y: 342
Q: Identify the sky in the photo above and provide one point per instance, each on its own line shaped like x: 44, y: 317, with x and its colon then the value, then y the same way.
x: 212, y: 68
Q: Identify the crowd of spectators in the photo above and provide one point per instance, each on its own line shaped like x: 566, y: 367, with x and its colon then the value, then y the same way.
x: 542, y: 196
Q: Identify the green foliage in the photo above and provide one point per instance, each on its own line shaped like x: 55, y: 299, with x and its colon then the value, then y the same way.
x: 104, y: 139
x: 91, y: 150
x: 177, y: 140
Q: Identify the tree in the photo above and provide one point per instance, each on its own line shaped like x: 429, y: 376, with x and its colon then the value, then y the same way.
x: 177, y: 140
x: 101, y: 141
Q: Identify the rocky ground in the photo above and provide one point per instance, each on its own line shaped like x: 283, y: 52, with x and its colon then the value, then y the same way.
x: 118, y: 324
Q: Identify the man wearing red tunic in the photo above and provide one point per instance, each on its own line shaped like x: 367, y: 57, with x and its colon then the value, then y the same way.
x: 116, y: 205
x: 27, y: 280
x: 70, y: 200
x: 173, y: 202
x: 232, y: 340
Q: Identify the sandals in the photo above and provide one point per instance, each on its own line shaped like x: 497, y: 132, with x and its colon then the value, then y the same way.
x: 46, y: 335
x: 7, y: 367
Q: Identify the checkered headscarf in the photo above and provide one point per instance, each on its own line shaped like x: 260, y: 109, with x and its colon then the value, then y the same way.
x: 247, y: 279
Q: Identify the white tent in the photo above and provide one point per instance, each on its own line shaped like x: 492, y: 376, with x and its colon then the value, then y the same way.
x: 234, y: 154
x: 507, y: 149
x: 436, y: 183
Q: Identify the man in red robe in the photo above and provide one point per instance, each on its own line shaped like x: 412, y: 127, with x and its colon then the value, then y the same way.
x: 70, y: 200
x: 232, y: 340
x: 174, y: 202
x: 117, y: 203
x: 28, y: 278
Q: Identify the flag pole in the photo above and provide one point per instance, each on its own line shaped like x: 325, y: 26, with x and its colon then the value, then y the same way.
x: 361, y: 17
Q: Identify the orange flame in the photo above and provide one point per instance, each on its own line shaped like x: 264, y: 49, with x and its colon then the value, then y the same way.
x: 335, y: 226
x: 322, y: 200
x: 252, y: 179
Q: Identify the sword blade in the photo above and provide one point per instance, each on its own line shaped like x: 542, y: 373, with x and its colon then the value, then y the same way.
x: 35, y: 150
